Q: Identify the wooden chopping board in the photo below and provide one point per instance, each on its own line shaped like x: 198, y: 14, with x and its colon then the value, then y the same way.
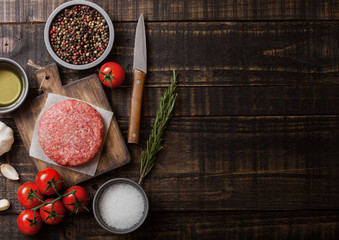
x: 114, y: 153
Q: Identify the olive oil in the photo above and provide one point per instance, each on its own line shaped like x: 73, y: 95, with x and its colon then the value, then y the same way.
x: 10, y: 87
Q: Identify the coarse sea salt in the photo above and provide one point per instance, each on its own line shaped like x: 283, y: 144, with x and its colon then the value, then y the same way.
x: 121, y: 206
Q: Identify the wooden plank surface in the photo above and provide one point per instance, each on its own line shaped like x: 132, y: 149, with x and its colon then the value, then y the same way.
x: 230, y: 53
x: 162, y: 10
x: 252, y: 149
x: 203, y: 225
x: 248, y: 166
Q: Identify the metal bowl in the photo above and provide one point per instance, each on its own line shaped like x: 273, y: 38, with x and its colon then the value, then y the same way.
x: 96, y: 205
x: 56, y: 13
x: 9, y: 64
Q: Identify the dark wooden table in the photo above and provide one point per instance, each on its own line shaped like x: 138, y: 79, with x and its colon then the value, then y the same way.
x: 252, y: 151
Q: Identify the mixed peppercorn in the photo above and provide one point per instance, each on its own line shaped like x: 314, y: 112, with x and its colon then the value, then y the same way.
x: 79, y: 35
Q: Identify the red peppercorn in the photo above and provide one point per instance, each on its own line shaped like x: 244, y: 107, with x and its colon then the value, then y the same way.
x: 66, y: 31
x: 74, y: 58
x: 85, y: 20
x: 62, y: 23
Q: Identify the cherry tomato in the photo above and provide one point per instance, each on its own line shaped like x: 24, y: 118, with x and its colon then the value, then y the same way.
x: 26, y: 224
x: 25, y: 199
x: 42, y: 179
x: 76, y: 205
x: 57, y: 213
x: 111, y: 74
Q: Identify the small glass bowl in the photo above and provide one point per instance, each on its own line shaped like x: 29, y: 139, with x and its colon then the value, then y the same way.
x: 20, y: 72
x: 96, y: 205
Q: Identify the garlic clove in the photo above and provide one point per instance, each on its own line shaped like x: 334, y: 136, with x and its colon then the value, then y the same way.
x: 4, y: 204
x: 9, y: 171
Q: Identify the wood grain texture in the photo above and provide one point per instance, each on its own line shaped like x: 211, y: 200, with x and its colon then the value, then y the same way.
x: 252, y: 149
x: 219, y: 101
x: 273, y: 171
x: 206, y: 54
x: 199, y: 225
x: 87, y: 89
x: 162, y: 10
x: 228, y: 163
x: 135, y: 107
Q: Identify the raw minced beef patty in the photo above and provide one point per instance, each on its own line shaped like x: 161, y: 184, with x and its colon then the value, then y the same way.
x: 71, y: 132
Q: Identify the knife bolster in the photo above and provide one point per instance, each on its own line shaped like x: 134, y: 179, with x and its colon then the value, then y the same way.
x: 135, y: 108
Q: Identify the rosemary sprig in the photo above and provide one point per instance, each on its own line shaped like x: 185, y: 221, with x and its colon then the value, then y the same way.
x: 164, y: 113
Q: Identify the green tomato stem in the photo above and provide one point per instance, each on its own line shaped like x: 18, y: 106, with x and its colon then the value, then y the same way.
x: 53, y: 201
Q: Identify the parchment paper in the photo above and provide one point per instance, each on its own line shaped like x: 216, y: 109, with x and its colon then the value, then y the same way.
x: 37, y: 152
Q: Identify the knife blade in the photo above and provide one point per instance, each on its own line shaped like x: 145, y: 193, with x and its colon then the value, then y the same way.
x: 139, y: 76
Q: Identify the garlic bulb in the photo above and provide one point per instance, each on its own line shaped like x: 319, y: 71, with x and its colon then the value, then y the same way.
x: 6, y: 138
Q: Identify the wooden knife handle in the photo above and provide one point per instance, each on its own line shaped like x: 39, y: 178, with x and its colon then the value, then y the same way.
x: 135, y: 109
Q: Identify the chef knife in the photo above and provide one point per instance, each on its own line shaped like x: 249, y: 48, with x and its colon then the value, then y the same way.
x: 139, y: 75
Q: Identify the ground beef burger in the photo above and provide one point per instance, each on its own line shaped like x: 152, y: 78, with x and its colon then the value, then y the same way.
x: 71, y: 133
